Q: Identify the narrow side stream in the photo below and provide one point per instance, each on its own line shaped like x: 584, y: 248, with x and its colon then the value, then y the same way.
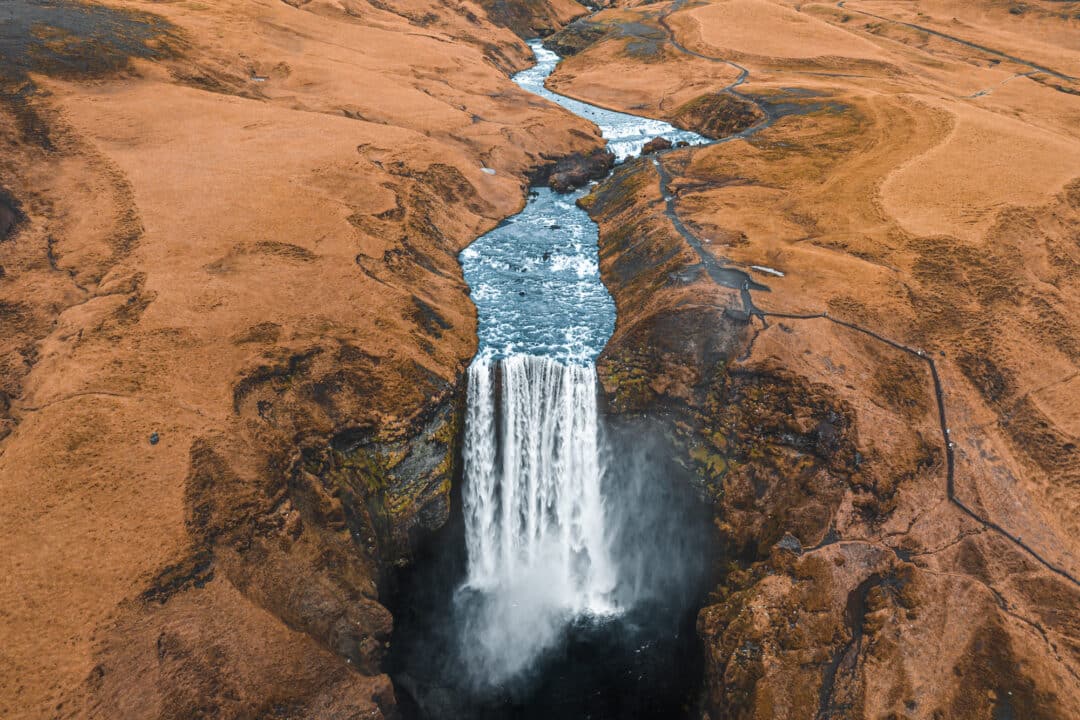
x: 566, y: 585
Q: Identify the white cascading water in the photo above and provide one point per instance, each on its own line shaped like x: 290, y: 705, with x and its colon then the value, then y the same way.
x: 536, y: 537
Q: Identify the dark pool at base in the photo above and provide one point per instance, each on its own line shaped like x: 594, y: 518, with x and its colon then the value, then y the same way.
x: 613, y: 669
x: 619, y: 668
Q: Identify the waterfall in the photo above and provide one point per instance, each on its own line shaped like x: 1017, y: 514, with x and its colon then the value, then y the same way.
x: 536, y: 538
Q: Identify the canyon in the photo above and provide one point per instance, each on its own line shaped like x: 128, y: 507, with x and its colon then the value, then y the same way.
x: 236, y: 338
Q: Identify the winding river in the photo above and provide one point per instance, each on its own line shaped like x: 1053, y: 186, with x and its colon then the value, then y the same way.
x: 535, y: 279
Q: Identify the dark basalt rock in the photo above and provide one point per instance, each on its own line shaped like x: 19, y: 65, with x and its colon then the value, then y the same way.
x: 656, y: 145
x: 576, y: 36
x: 10, y: 215
x: 526, y: 18
x: 645, y: 41
x: 790, y: 543
x: 575, y: 170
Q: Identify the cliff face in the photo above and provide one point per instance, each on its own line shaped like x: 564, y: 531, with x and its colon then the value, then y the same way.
x: 911, y: 200
x: 234, y: 337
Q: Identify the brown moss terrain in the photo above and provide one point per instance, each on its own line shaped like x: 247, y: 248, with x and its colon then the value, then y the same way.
x: 915, y: 177
x: 234, y: 331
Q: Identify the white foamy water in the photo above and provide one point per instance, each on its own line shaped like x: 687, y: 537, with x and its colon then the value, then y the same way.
x: 537, y: 540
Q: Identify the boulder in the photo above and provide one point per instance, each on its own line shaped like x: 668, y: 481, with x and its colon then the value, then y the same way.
x: 656, y: 145
x: 575, y: 170
x: 717, y: 115
x: 576, y: 37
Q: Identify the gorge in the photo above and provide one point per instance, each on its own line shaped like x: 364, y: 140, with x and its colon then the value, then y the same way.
x: 557, y: 583
x: 367, y: 359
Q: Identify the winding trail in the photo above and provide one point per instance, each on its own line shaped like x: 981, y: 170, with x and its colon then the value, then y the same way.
x: 986, y: 91
x: 950, y: 458
x: 732, y: 277
x: 721, y: 274
x: 960, y: 41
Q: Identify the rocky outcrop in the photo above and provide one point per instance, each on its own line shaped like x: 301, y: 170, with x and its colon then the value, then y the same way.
x: 576, y: 37
x: 574, y: 171
x: 307, y: 542
x: 656, y: 145
x: 533, y: 18
x: 717, y: 115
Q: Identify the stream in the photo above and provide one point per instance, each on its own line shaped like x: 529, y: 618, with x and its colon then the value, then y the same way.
x: 564, y: 588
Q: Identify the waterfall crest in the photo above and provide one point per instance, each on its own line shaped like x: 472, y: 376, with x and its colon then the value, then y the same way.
x: 537, y: 541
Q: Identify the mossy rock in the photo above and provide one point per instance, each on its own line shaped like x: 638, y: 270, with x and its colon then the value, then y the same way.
x: 717, y: 115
